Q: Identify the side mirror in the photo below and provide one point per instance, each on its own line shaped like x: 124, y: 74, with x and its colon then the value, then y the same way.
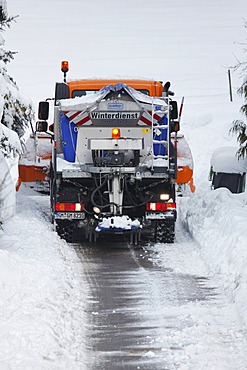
x: 166, y: 89
x: 43, y: 112
x: 41, y: 126
x: 174, y: 110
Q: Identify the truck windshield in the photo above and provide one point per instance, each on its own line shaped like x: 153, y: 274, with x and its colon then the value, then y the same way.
x: 76, y: 93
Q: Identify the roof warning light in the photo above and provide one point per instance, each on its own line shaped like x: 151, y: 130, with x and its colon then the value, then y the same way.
x: 64, y: 68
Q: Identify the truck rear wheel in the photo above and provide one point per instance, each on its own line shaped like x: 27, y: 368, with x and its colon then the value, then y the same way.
x: 64, y: 229
x: 164, y: 231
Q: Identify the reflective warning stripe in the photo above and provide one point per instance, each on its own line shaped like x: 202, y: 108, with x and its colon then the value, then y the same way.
x: 146, y: 118
x: 78, y: 118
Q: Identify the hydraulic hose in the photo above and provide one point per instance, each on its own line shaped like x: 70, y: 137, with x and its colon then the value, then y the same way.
x: 132, y: 200
x: 97, y: 190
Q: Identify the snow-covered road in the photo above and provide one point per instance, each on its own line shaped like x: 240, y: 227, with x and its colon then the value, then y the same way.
x: 112, y: 305
x: 157, y: 307
x: 183, y: 313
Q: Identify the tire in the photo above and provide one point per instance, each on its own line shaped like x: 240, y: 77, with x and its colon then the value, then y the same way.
x: 164, y: 231
x: 65, y: 230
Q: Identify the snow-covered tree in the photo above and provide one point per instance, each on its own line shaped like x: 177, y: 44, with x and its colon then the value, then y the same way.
x: 17, y: 111
x: 5, y: 22
x: 16, y: 114
x: 239, y: 127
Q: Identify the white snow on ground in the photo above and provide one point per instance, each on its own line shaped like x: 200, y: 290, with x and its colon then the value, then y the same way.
x: 190, y: 43
x: 7, y: 188
x: 217, y: 221
x: 198, y: 330
x: 8, y: 170
x: 41, y: 300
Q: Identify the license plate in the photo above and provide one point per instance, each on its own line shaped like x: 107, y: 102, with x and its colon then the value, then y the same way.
x: 70, y: 215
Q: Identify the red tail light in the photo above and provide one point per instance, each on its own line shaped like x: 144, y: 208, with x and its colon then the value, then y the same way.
x: 69, y: 207
x: 160, y: 207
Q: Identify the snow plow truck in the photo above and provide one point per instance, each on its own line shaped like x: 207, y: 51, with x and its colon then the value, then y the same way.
x: 113, y: 160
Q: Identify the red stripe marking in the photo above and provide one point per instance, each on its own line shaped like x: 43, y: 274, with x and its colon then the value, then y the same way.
x: 74, y: 116
x: 84, y: 120
x: 156, y: 116
x: 145, y: 120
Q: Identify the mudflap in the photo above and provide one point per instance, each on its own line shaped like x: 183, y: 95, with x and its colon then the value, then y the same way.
x: 164, y: 231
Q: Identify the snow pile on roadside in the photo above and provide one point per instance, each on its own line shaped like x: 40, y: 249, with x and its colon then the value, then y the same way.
x: 12, y: 113
x: 225, y: 159
x: 217, y: 221
x: 7, y: 190
x: 41, y: 301
x: 10, y: 148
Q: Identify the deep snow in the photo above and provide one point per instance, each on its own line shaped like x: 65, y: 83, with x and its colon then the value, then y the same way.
x: 41, y: 300
x: 190, y: 43
x: 8, y: 167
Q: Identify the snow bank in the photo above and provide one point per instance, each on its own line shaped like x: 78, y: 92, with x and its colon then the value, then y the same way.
x: 41, y: 282
x: 217, y: 221
x: 225, y: 159
x: 8, y: 171
x: 10, y: 146
x: 7, y: 190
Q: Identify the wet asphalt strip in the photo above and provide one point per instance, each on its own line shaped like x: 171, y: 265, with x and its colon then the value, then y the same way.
x: 127, y: 293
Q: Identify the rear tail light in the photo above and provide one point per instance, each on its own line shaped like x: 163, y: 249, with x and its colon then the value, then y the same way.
x: 69, y: 207
x: 151, y: 207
